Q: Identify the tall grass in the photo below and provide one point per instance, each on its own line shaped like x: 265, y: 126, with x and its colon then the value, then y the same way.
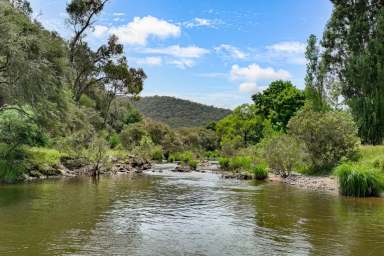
x: 260, y: 171
x: 359, y: 180
x: 10, y: 172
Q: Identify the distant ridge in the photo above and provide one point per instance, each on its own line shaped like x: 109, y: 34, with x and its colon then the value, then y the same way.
x: 179, y: 113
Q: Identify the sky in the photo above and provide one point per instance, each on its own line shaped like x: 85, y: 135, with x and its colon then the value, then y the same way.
x: 216, y: 52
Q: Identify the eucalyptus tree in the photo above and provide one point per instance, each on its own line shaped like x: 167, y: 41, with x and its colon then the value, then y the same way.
x: 32, y: 61
x: 106, y: 67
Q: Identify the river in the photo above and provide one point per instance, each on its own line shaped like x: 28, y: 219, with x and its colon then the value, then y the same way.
x: 184, y: 214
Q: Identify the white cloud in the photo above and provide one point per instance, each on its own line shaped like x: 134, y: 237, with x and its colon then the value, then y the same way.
x: 179, y: 52
x: 139, y: 30
x: 118, y: 14
x: 200, y: 22
x: 182, y: 63
x: 289, y: 52
x: 253, y: 74
x: 100, y: 30
x: 290, y: 47
x: 151, y: 61
x: 248, y: 87
x: 230, y: 51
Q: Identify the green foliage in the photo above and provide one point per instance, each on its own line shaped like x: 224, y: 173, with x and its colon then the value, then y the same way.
x: 279, y: 102
x: 132, y: 135
x: 285, y: 154
x: 354, y: 53
x: 242, y: 127
x: 193, y: 164
x: 157, y: 153
x: 260, y: 171
x: 17, y: 129
x: 114, y: 140
x: 240, y: 163
x: 42, y: 159
x: 10, y: 171
x: 314, y: 79
x: 359, y: 180
x: 328, y: 137
x: 179, y: 113
x: 87, y: 101
x: 224, y: 163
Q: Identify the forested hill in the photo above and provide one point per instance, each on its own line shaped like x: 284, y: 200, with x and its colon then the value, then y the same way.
x: 178, y: 112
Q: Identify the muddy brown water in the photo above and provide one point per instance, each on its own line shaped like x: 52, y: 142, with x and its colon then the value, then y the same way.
x: 184, y: 214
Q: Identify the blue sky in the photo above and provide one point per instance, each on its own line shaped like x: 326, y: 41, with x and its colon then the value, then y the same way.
x: 217, y: 52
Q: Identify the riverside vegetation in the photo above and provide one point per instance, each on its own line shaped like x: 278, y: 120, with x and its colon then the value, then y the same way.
x: 67, y: 107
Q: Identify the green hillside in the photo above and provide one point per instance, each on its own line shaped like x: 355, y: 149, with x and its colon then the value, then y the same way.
x: 178, y: 112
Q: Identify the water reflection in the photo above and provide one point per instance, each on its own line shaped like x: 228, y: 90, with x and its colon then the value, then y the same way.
x: 184, y: 214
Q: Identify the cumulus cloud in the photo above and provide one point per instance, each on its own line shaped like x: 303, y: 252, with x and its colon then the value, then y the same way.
x: 151, y: 61
x: 138, y: 31
x: 100, y: 30
x: 253, y: 74
x: 229, y: 51
x: 182, y: 57
x: 178, y: 51
x: 250, y: 87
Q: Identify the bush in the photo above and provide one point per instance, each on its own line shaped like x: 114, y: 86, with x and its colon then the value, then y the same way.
x: 359, y: 180
x: 193, y: 164
x: 224, y: 163
x: 114, y: 140
x: 240, y: 163
x: 328, y: 137
x: 10, y: 172
x: 285, y: 154
x: 260, y: 171
x: 132, y: 135
x: 157, y: 153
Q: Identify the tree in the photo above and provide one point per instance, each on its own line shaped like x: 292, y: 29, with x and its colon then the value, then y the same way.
x: 354, y: 55
x: 279, y: 102
x: 107, y: 67
x: 314, y: 79
x: 32, y: 64
x: 243, y: 127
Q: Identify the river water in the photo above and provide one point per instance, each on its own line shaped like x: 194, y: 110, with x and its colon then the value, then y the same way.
x: 184, y: 214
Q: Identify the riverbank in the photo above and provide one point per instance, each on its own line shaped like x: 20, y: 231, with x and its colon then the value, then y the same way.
x: 315, y: 183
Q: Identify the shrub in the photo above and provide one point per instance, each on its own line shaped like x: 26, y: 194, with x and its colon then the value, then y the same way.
x: 328, y: 137
x: 260, y: 171
x: 193, y: 164
x: 87, y: 101
x: 224, y: 163
x: 359, y: 180
x: 132, y: 135
x: 240, y: 163
x: 285, y: 154
x: 10, y: 172
x: 114, y: 140
x: 157, y: 153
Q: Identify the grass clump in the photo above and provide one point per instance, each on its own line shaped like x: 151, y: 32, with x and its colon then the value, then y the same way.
x: 193, y: 164
x: 10, y: 172
x: 359, y: 180
x: 260, y: 171
x: 224, y: 163
x: 42, y: 159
